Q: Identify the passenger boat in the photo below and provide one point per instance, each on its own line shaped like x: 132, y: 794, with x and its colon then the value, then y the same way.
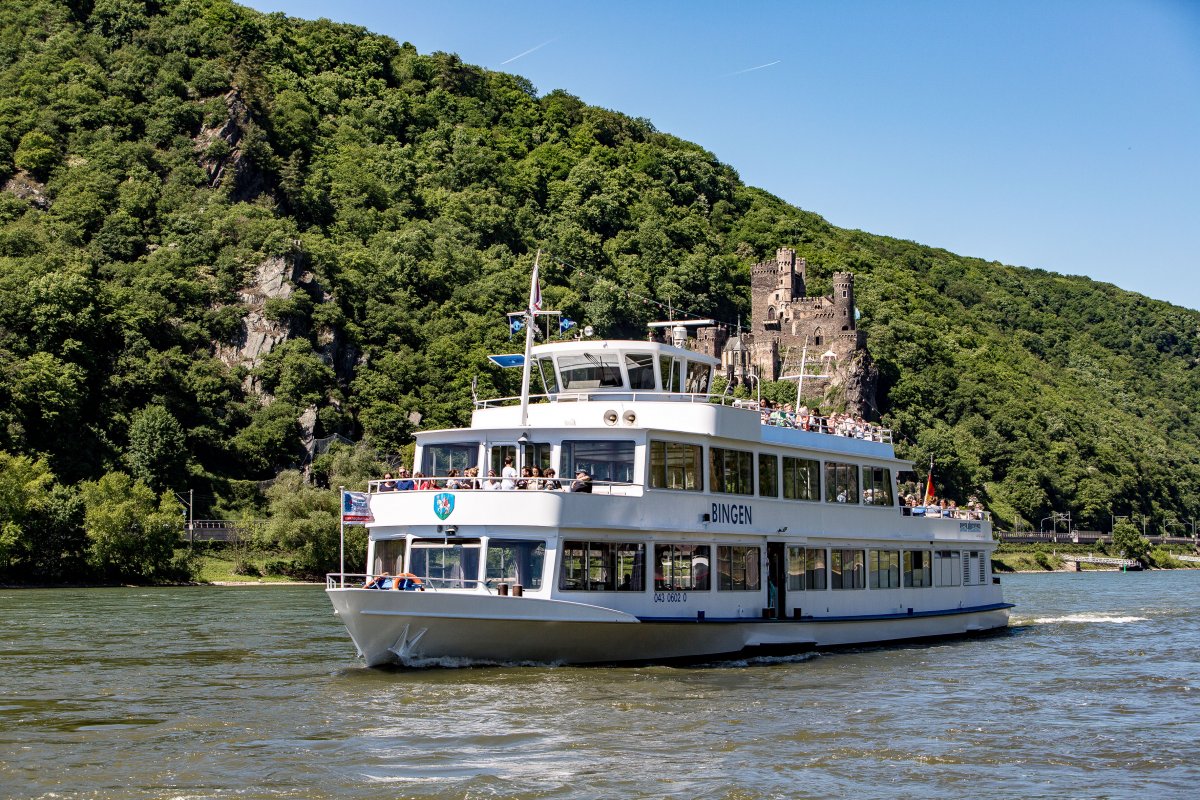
x: 705, y: 533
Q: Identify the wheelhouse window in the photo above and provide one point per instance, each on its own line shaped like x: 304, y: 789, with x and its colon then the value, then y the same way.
x: 738, y: 568
x: 669, y: 369
x: 801, y: 478
x: 697, y: 377
x: 806, y: 569
x: 675, y: 465
x: 841, y: 482
x: 848, y: 569
x: 590, y: 371
x: 681, y: 567
x: 603, y: 566
x: 640, y: 367
x: 545, y: 368
x: 768, y: 475
x: 604, y: 459
x: 449, y: 564
x: 884, y: 567
x: 439, y: 459
x: 918, y: 569
x: 877, y: 486
x: 515, y: 561
x: 730, y: 471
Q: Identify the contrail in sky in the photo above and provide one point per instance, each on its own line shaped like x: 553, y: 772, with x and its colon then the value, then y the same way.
x: 527, y: 52
x: 740, y: 71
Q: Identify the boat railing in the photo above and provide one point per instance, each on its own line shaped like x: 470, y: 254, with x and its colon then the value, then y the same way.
x: 459, y: 483
x: 418, y: 583
x: 937, y: 512
x: 583, y: 395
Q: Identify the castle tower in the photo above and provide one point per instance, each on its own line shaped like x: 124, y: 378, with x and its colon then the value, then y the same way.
x: 843, y: 302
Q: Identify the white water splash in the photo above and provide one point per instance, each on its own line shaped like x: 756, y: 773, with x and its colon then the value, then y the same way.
x: 1080, y: 619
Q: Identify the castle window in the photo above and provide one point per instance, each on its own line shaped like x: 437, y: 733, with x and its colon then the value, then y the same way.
x: 771, y: 312
x: 845, y: 293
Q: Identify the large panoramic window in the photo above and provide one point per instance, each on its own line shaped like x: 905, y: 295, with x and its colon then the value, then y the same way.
x: 737, y: 568
x: 730, y: 471
x: 681, y: 567
x: 697, y: 377
x: 448, y: 564
x: 884, y: 568
x: 841, y: 482
x: 439, y: 459
x: 847, y: 569
x: 918, y: 568
x: 801, y: 478
x: 515, y: 561
x: 604, y: 459
x: 768, y: 475
x: 603, y: 566
x: 590, y: 371
x: 675, y: 465
x: 877, y: 486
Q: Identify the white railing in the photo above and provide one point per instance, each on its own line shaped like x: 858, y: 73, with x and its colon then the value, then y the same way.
x: 419, y: 583
x: 443, y: 483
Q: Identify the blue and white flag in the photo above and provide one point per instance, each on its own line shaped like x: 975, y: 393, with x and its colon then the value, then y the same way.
x: 356, y: 508
x: 515, y: 325
x: 565, y: 324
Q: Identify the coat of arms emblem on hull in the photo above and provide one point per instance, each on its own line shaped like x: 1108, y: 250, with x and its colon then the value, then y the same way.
x: 443, y: 504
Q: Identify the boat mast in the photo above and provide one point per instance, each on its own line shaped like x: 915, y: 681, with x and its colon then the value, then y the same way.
x: 535, y: 305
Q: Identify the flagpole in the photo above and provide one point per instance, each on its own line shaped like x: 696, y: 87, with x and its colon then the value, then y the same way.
x: 342, y: 537
x: 530, y: 321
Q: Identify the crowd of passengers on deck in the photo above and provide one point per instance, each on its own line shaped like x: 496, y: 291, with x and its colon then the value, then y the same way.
x: 530, y: 478
x: 913, y: 506
x: 805, y: 419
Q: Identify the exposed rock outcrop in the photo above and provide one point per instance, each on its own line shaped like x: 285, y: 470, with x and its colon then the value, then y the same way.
x: 221, y: 151
x: 25, y: 187
x: 259, y: 335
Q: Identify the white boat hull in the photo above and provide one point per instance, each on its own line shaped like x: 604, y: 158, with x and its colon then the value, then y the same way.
x: 421, y: 628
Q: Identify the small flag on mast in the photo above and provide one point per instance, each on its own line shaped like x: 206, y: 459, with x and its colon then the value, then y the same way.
x: 929, y: 485
x: 535, y: 292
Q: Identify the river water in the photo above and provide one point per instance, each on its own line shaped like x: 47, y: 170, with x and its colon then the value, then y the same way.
x: 254, y: 692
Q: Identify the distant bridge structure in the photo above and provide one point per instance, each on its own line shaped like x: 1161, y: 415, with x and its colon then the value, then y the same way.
x: 222, y: 530
x: 1105, y: 561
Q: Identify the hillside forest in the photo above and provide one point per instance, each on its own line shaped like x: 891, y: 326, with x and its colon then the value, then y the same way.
x: 226, y: 234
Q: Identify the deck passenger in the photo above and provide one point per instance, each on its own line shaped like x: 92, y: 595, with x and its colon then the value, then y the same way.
x: 551, y: 482
x: 405, y: 483
x: 492, y: 483
x: 582, y: 483
x: 508, y: 475
x: 388, y: 484
x: 381, y: 581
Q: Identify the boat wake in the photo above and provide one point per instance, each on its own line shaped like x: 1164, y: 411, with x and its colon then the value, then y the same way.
x: 1080, y: 619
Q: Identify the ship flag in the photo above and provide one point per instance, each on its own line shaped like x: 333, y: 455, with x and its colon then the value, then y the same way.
x: 535, y: 293
x: 929, y: 485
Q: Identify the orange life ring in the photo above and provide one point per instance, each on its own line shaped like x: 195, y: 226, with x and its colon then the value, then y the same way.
x: 412, y: 580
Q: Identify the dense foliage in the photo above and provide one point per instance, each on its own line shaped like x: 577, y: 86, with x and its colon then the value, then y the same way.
x: 157, y: 155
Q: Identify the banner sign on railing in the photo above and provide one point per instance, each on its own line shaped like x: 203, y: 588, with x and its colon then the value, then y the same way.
x: 355, y: 508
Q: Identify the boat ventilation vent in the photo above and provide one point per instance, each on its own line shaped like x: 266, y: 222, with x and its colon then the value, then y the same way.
x: 610, y: 417
x: 629, y: 417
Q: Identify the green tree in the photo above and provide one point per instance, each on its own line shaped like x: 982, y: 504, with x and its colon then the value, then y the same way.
x: 304, y: 519
x: 1129, y: 541
x: 131, y: 533
x: 37, y: 153
x: 24, y: 488
x: 157, y: 451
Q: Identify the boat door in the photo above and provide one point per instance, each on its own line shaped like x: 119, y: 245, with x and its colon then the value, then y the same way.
x: 526, y: 454
x: 777, y: 579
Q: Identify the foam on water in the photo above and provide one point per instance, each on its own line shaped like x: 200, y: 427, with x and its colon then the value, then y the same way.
x: 1081, y: 619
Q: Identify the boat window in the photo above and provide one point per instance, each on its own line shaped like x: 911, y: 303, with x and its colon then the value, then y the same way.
x: 738, y: 568
x: 603, y: 566
x: 917, y: 568
x: 847, y: 568
x: 806, y: 569
x: 877, y: 486
x: 697, y: 377
x: 841, y: 482
x: 768, y: 475
x: 675, y: 465
x: 973, y: 567
x: 535, y: 455
x: 499, y: 453
x: 681, y: 567
x: 389, y: 556
x: 801, y: 478
x: 516, y: 561
x: 640, y: 367
x: 946, y: 568
x: 669, y: 370
x: 590, y: 371
x: 730, y: 471
x: 451, y: 564
x: 545, y: 366
x: 604, y: 459
x: 439, y: 459
x: 884, y: 568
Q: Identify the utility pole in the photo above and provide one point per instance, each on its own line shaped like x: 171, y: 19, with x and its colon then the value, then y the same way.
x: 191, y: 521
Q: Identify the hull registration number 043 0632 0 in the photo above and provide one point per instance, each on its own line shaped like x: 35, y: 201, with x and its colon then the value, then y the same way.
x: 670, y: 597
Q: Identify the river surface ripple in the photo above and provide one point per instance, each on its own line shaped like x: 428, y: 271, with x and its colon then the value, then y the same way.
x: 215, y: 692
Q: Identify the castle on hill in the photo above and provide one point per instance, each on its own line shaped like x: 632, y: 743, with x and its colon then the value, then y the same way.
x: 787, y: 327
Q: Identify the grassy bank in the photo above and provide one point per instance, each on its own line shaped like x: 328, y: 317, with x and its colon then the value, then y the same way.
x: 1049, y: 557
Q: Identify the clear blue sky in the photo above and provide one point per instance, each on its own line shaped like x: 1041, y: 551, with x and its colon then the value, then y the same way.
x: 1056, y: 134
